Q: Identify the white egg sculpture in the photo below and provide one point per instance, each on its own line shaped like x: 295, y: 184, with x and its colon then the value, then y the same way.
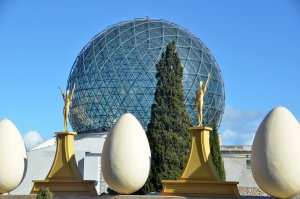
x: 126, y: 156
x: 275, y: 155
x: 13, y: 157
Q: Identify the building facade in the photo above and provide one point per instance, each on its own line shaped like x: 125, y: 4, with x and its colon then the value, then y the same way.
x: 237, y: 163
x: 88, y: 149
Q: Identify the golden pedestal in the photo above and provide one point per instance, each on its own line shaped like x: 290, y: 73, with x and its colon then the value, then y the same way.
x: 199, y: 177
x: 64, y: 176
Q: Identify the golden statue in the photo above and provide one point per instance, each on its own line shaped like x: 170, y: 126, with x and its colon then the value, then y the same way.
x: 67, y: 99
x: 199, y: 99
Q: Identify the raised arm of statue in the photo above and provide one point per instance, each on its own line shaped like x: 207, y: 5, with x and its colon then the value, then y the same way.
x: 206, y: 83
x: 63, y: 95
x: 72, y: 93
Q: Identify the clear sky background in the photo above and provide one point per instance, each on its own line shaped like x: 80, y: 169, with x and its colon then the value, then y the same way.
x: 256, y: 44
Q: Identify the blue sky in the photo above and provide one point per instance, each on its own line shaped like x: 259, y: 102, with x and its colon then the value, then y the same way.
x: 256, y: 44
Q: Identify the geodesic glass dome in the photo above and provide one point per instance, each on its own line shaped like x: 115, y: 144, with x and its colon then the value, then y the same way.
x: 115, y: 73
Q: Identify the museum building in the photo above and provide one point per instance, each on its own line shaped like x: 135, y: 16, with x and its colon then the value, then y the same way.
x: 114, y: 74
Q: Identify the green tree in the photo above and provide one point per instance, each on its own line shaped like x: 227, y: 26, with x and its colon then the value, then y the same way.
x: 168, y: 128
x: 215, y: 151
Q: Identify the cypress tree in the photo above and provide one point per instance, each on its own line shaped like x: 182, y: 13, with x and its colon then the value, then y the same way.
x: 168, y: 128
x: 216, y: 152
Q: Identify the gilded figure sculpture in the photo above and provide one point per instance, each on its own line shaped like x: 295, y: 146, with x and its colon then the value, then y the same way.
x: 199, y: 99
x: 67, y: 99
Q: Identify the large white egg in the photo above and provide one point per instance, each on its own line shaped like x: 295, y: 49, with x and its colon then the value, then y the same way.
x: 275, y: 155
x: 13, y: 157
x: 126, y: 156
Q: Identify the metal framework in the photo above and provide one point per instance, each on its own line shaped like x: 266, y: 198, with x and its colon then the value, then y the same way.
x: 115, y: 73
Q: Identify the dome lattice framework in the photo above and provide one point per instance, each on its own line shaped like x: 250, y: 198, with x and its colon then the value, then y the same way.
x: 115, y: 73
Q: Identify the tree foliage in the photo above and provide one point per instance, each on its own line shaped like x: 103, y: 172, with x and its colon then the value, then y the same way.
x: 215, y: 151
x: 45, y: 193
x: 168, y: 128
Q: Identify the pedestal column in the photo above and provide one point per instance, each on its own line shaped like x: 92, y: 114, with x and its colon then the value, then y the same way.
x: 64, y: 177
x: 199, y: 177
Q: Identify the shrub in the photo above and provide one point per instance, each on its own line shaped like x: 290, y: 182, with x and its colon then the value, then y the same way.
x: 45, y: 193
